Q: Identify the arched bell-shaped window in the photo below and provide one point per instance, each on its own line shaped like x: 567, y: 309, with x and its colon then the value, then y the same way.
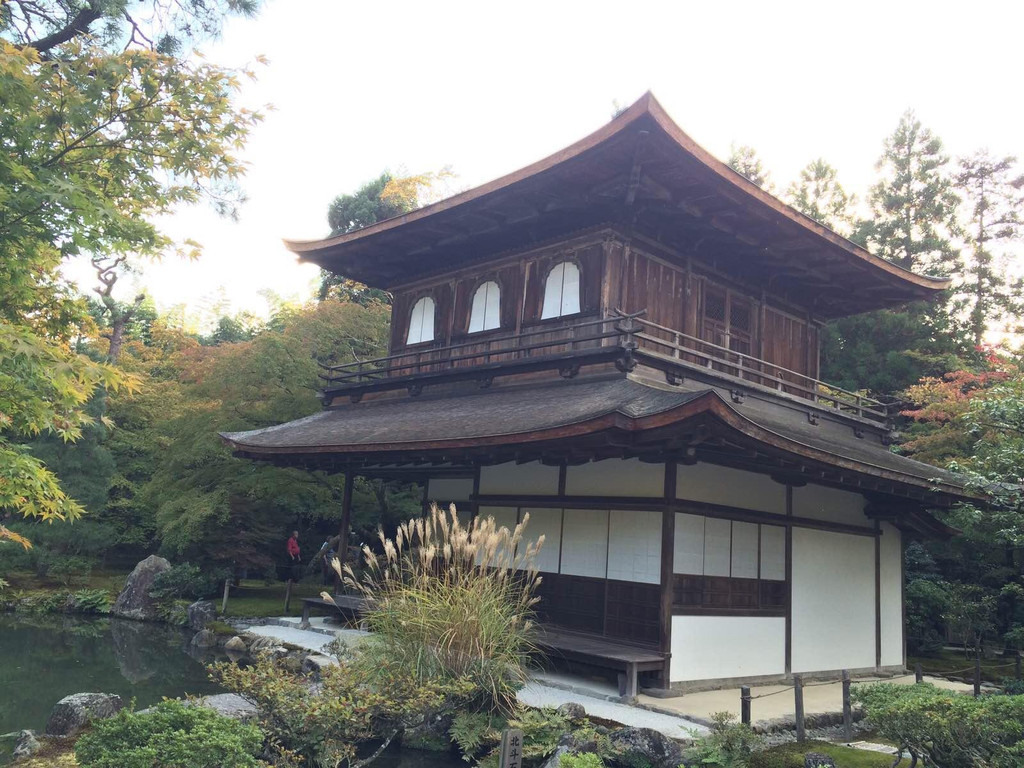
x: 562, y: 291
x: 485, y: 314
x: 421, y: 322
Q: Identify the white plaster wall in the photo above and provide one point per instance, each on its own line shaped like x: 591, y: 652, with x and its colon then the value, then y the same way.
x: 732, y: 487
x: 688, y: 554
x: 616, y: 477
x: 891, y: 552
x: 634, y: 546
x: 836, y: 506
x: 448, y: 490
x: 531, y: 478
x: 833, y: 601
x: 585, y: 542
x: 714, y: 647
x: 546, y: 523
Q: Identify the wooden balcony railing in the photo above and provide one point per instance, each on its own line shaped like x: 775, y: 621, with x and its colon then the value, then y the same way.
x: 678, y: 346
x: 626, y: 334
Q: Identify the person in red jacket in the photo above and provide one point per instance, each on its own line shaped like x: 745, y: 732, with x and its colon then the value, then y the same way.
x: 293, y: 547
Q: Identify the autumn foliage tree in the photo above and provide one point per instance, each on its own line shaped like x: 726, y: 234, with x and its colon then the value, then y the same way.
x: 103, y: 128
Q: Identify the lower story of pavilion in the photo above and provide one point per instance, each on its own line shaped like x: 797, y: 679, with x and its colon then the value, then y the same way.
x: 687, y: 528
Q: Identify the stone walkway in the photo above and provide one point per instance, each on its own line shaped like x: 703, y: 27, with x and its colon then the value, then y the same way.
x: 537, y: 694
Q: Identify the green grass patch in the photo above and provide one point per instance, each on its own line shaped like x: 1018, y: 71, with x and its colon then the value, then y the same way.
x: 30, y: 583
x: 254, y: 598
x: 953, y: 663
x: 792, y: 756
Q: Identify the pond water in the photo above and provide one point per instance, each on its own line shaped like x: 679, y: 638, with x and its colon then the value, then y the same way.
x: 45, y: 658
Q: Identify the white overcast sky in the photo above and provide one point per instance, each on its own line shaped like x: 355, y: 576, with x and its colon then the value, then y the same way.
x: 487, y: 88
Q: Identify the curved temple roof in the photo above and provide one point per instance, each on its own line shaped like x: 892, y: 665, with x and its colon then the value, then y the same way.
x: 525, y: 418
x: 640, y: 171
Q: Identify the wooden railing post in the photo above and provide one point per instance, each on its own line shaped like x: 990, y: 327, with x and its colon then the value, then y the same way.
x: 798, y: 696
x: 847, y: 708
x: 745, y: 704
x: 977, y: 673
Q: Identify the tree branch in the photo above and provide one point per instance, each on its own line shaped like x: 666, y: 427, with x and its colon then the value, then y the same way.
x: 79, y: 25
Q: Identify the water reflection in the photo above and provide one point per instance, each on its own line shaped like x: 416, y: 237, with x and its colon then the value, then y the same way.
x: 46, y: 658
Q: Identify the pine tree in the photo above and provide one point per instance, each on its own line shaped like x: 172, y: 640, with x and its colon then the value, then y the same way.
x: 914, y: 204
x: 818, y: 194
x: 914, y: 207
x: 993, y: 193
x: 744, y: 160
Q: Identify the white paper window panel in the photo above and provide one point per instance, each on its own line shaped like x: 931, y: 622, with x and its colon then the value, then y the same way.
x: 506, y: 517
x: 446, y: 490
x: 546, y: 523
x: 561, y: 291
x: 585, y: 542
x: 689, y: 544
x: 532, y: 478
x: 634, y: 546
x: 616, y: 477
x: 486, y: 311
x: 717, y: 543
x: 773, y: 552
x: 744, y: 550
x: 421, y: 321
x: 731, y: 487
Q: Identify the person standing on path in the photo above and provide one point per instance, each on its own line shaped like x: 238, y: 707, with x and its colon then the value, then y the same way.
x: 293, y: 547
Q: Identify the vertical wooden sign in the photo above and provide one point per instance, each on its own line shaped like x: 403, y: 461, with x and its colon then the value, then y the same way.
x: 511, y: 749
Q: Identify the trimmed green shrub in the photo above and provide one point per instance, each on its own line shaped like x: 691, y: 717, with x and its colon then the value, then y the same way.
x: 173, y: 735
x: 948, y: 730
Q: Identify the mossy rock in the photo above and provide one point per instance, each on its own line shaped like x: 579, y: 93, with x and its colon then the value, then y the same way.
x: 221, y: 628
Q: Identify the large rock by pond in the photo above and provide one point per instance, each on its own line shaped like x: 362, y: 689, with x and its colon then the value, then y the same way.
x: 645, y: 746
x: 134, y: 602
x: 230, y: 705
x: 72, y: 713
x: 204, y: 638
x: 201, y: 613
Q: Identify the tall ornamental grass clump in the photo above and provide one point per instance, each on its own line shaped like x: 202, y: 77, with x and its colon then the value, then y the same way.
x: 450, y: 600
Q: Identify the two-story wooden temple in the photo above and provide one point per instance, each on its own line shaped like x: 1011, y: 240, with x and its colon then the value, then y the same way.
x: 622, y: 340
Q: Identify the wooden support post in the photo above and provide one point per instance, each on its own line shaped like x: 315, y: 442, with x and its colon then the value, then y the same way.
x: 798, y: 695
x: 287, y: 596
x: 847, y: 708
x: 745, y: 704
x: 1016, y: 666
x: 977, y: 673
x: 346, y: 516
x: 224, y: 601
x: 918, y: 673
